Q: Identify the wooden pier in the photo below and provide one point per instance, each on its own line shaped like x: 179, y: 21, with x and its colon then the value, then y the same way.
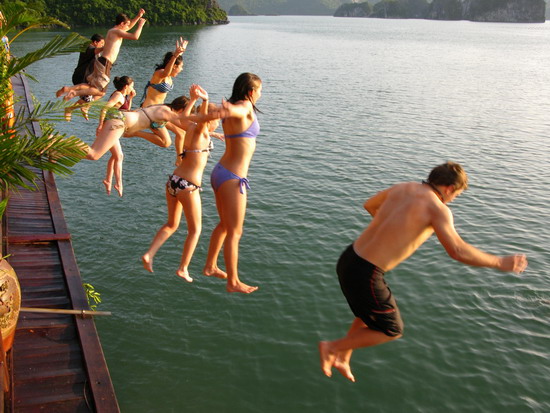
x: 57, y: 363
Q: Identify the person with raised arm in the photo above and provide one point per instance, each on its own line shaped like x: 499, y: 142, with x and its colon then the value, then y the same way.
x: 97, y: 82
x: 119, y: 123
x: 229, y: 180
x: 84, y: 68
x: 404, y: 217
x: 121, y: 99
x: 157, y: 89
x: 184, y: 186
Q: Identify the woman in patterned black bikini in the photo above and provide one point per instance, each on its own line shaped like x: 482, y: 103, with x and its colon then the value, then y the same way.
x: 183, y: 188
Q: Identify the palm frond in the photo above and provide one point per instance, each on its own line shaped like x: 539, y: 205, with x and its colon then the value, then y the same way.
x: 21, y: 151
x: 51, y: 151
x: 3, y: 205
x: 19, y: 15
x: 57, y: 46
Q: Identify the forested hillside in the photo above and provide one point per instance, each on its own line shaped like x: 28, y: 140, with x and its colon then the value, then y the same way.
x: 286, y: 7
x: 158, y: 12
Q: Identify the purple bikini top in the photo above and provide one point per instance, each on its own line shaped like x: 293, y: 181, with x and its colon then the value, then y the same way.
x: 252, y: 131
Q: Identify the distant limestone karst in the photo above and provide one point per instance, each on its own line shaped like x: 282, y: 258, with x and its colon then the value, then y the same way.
x: 507, y: 11
x: 238, y: 10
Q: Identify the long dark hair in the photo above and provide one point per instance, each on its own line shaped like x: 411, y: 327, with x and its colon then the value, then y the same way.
x: 244, y: 84
x: 167, y: 58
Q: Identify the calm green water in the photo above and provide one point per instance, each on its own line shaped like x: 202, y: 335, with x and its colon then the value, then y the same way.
x: 350, y: 106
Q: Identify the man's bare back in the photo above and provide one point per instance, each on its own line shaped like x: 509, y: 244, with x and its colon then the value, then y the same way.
x: 404, y: 216
x: 401, y: 223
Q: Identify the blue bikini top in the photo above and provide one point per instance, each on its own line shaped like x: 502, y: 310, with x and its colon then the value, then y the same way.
x: 162, y: 87
x: 252, y: 131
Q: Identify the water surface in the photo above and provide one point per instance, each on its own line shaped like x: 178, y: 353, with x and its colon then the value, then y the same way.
x: 350, y: 106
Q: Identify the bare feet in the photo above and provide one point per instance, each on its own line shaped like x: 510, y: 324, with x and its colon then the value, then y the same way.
x: 84, y: 110
x: 119, y: 189
x: 61, y: 91
x: 68, y: 114
x: 327, y: 358
x: 344, y: 368
x: 240, y: 288
x: 185, y: 275
x: 107, y: 186
x: 147, y: 262
x: 214, y: 272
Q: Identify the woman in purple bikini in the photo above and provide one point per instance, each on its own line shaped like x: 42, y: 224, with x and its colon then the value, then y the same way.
x: 229, y: 180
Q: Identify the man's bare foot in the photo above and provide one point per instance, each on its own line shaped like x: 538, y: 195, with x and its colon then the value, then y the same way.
x: 240, y: 288
x: 214, y: 272
x: 119, y: 189
x: 327, y: 358
x: 185, y: 275
x: 68, y: 114
x: 84, y: 110
x: 107, y: 186
x: 147, y: 262
x: 61, y: 91
x: 345, y: 369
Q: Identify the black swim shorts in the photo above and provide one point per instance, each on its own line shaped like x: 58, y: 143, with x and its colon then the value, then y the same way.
x: 368, y: 295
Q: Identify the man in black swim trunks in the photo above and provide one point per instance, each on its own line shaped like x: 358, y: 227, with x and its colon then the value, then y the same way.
x: 404, y: 217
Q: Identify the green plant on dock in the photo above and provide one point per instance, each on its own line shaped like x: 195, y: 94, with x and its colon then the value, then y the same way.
x: 21, y: 150
x: 94, y: 298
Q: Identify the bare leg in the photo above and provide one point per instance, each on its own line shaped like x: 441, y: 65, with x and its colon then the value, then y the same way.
x: 215, y: 246
x: 216, y: 243
x: 179, y: 140
x: 343, y: 358
x: 174, y: 216
x: 108, y: 137
x: 118, y: 157
x: 192, y: 209
x: 80, y: 103
x: 108, y: 181
x: 357, y: 337
x: 159, y: 137
x: 85, y: 106
x: 232, y: 206
x: 81, y: 89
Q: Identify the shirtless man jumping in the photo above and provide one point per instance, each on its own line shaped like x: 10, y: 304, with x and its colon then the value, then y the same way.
x: 98, y: 81
x: 404, y: 216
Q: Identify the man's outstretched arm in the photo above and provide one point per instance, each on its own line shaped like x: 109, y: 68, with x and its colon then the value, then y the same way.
x: 460, y: 250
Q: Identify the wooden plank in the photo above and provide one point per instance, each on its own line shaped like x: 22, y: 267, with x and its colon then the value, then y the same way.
x: 54, y: 405
x: 29, y: 239
x: 61, y: 363
x: 100, y: 380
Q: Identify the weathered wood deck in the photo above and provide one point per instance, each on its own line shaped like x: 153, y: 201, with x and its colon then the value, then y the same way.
x: 57, y: 363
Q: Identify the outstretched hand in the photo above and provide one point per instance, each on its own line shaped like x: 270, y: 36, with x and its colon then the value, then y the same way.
x: 515, y: 263
x: 181, y: 46
x: 197, y: 92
